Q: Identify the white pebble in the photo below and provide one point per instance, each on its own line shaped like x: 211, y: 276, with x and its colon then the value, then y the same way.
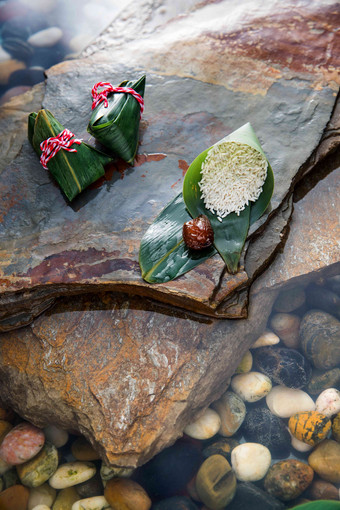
x: 250, y: 461
x: 284, y: 402
x: 298, y: 445
x: 41, y: 507
x: 72, y: 473
x: 267, y: 338
x: 252, y: 386
x: 56, y: 436
x: 328, y: 402
x: 94, y: 503
x: 46, y: 38
x: 42, y: 495
x: 205, y: 427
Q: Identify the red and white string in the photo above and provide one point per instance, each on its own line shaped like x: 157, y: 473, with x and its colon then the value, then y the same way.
x: 52, y: 145
x: 108, y: 88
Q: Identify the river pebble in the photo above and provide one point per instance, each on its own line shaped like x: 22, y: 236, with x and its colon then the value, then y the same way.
x: 286, y: 367
x: 205, y: 427
x: 248, y: 495
x: 250, y: 461
x: 298, y: 445
x: 320, y: 489
x: 83, y: 450
x: 56, y: 436
x: 323, y: 299
x: 22, y: 443
x: 267, y: 338
x: 126, y: 493
x: 108, y: 472
x: 323, y: 379
x: 287, y: 327
x: 92, y: 487
x: 231, y: 410
x: 222, y: 447
x: 46, y: 38
x: 325, y: 460
x: 5, y: 427
x: 336, y: 427
x: 10, y: 478
x: 290, y: 300
x: 216, y: 482
x: 42, y: 507
x: 39, y: 469
x: 42, y: 495
x: 14, y: 498
x: 284, y: 402
x: 252, y: 386
x: 287, y: 479
x: 310, y: 427
x: 7, y: 68
x: 320, y: 339
x: 96, y: 503
x: 246, y: 364
x: 4, y: 467
x: 65, y: 499
x: 261, y: 426
x: 175, y: 503
x: 72, y: 473
x: 328, y: 402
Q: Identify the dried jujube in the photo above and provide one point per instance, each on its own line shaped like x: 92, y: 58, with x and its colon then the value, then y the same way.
x: 198, y: 233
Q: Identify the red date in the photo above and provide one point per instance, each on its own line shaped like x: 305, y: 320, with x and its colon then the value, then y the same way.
x: 198, y: 233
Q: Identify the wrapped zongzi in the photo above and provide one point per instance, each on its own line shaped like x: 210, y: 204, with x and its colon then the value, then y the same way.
x: 73, y: 163
x: 116, y: 115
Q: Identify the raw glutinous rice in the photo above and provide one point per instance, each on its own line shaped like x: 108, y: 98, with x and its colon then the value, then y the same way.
x: 232, y: 176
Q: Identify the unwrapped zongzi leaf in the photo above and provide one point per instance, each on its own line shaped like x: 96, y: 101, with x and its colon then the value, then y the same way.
x: 73, y: 164
x: 116, y: 116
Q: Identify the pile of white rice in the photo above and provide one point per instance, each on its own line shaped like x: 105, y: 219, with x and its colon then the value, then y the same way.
x: 232, y: 176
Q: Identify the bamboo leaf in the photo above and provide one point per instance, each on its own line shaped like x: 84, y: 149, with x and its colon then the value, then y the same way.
x: 117, y: 126
x: 73, y: 171
x: 163, y: 255
x: 231, y: 232
x: 321, y: 504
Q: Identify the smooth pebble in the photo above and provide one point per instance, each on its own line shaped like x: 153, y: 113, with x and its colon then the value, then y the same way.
x: 336, y: 427
x: 231, y: 410
x: 22, y: 443
x: 328, y: 402
x: 310, y: 427
x: 250, y: 461
x: 252, y: 386
x: 65, y: 499
x: 56, y: 436
x: 14, y: 498
x: 108, y: 472
x: 290, y: 300
x: 92, y: 487
x: 8, y: 67
x: 248, y: 495
x: 42, y: 495
x: 284, y: 366
x: 125, y: 493
x: 39, y: 469
x: 320, y: 489
x: 263, y: 427
x: 46, y: 38
x: 72, y: 473
x: 288, y: 479
x: 245, y: 364
x: 205, y: 427
x: 216, y: 482
x: 81, y: 449
x: 42, y: 507
x: 323, y: 379
x: 325, y: 460
x: 298, y: 445
x: 267, y: 338
x: 222, y: 447
x: 284, y: 402
x: 95, y: 503
x: 287, y: 327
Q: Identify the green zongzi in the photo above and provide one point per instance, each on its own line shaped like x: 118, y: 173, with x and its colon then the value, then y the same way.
x: 116, y: 116
x: 73, y: 163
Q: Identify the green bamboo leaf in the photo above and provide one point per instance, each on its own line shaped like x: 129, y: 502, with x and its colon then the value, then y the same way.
x: 163, y: 255
x: 321, y: 504
x: 117, y: 126
x: 231, y: 232
x: 73, y: 171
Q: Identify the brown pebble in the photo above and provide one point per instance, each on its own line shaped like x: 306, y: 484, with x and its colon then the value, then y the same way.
x: 325, y: 460
x: 83, y: 450
x: 320, y: 489
x: 14, y: 498
x: 5, y: 427
x: 336, y: 427
x: 287, y: 479
x: 125, y: 494
x: 7, y: 414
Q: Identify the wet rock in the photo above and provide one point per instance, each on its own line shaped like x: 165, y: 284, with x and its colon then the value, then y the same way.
x: 56, y: 436
x: 179, y: 463
x: 323, y: 299
x: 42, y: 495
x: 287, y: 479
x: 287, y: 327
x: 222, y: 447
x: 12, y: 92
x: 245, y: 364
x: 18, y: 48
x: 231, y: 410
x: 252, y: 386
x: 108, y: 472
x: 205, y: 427
x: 65, y: 499
x: 22, y: 443
x: 310, y: 427
x: 328, y: 402
x: 320, y: 489
x: 14, y: 498
x: 320, y: 339
x: 7, y: 68
x: 336, y: 427
x: 290, y: 300
x: 247, y: 493
x: 175, y: 503
x: 284, y: 402
x: 250, y: 461
x: 267, y: 338
x: 286, y: 367
x: 92, y: 487
x: 216, y: 482
x: 325, y: 460
x: 95, y: 503
x: 261, y: 426
x: 46, y: 38
x: 122, y: 492
x: 39, y: 469
x: 323, y: 379
x: 82, y: 450
x: 72, y: 473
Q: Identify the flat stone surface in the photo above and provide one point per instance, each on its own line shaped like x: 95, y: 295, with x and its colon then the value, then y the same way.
x: 207, y: 74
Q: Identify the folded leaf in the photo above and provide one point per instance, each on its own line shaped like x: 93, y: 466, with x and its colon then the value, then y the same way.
x: 321, y: 504
x: 73, y: 171
x: 231, y: 231
x: 163, y: 255
x: 117, y: 125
